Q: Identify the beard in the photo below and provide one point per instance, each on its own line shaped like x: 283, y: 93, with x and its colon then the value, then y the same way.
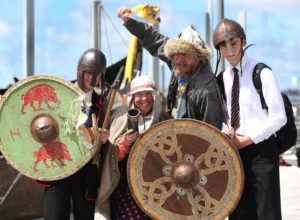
x: 178, y: 73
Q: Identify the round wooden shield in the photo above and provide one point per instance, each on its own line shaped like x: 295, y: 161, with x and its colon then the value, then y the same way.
x: 38, y: 135
x: 185, y: 169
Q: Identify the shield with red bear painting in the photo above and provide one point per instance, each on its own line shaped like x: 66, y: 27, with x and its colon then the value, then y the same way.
x: 41, y: 131
x: 185, y: 169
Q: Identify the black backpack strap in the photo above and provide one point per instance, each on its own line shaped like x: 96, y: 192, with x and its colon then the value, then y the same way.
x: 221, y: 84
x: 257, y: 82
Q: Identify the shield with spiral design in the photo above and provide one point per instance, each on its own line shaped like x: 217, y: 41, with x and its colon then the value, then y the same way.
x: 41, y: 128
x: 185, y: 169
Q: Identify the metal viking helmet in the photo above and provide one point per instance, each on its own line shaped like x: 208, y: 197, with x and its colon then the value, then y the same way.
x: 226, y: 30
x: 92, y: 60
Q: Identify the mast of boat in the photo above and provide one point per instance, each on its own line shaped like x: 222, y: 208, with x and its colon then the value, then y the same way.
x: 28, y: 49
x: 96, y: 24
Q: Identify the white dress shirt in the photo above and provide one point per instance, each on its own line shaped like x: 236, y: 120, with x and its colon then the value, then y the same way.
x: 255, y: 122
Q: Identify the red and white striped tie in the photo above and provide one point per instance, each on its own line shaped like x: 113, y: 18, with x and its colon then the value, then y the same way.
x: 235, y: 107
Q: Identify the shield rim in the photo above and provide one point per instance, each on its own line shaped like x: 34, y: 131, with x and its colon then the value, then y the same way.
x: 15, y: 86
x: 227, y: 142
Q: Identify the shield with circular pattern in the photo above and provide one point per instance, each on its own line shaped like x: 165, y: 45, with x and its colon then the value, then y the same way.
x: 40, y: 121
x: 185, y: 169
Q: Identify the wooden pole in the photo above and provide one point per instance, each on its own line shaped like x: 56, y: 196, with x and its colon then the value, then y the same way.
x: 113, y: 92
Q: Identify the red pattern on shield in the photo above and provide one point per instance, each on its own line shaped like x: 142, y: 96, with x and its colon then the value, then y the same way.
x: 52, y: 151
x: 39, y: 93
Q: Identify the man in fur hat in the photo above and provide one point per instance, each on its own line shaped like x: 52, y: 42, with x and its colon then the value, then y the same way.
x: 192, y: 92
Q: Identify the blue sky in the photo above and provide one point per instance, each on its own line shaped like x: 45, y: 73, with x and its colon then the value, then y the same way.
x: 63, y: 32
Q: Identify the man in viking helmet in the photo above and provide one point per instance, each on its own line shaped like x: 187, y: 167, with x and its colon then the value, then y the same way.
x: 192, y: 91
x: 252, y: 128
x: 82, y: 186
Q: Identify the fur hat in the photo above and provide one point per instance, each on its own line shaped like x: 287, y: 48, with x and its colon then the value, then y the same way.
x: 189, y: 42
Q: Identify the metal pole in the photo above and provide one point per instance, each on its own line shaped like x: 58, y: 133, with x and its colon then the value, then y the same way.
x: 242, y: 18
x: 96, y: 34
x: 162, y: 79
x: 207, y: 29
x: 154, y: 64
x: 10, y: 189
x: 209, y: 24
x: 28, y: 59
x: 99, y: 11
x: 220, y: 10
x: 220, y: 17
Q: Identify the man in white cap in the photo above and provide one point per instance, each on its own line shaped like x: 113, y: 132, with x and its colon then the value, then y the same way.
x: 114, y: 190
x: 192, y: 92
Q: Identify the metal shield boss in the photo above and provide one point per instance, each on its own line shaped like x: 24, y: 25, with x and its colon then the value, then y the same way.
x: 185, y: 169
x: 40, y: 128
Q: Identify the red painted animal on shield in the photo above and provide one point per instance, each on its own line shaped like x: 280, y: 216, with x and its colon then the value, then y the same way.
x: 52, y: 151
x: 39, y: 93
